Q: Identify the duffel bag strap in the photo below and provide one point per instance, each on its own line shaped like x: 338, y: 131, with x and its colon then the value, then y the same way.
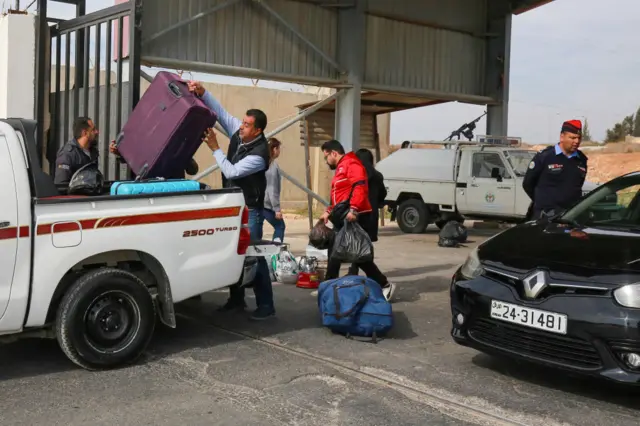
x: 356, y: 306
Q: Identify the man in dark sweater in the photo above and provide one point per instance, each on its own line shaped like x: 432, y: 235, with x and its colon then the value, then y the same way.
x: 244, y: 166
x: 556, y: 174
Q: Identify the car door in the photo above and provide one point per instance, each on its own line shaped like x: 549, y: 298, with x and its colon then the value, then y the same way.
x: 487, y: 194
x: 9, y: 227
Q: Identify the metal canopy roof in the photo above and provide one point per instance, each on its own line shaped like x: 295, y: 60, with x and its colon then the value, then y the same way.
x: 375, y: 103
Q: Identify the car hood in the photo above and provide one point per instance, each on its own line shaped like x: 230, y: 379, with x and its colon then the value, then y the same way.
x: 591, y: 253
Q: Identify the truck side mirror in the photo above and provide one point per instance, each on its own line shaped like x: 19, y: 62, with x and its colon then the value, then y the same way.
x: 495, y: 174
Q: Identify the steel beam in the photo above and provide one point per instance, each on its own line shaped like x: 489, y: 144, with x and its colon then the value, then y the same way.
x: 194, y: 66
x: 303, y: 114
x: 294, y: 31
x: 497, y: 70
x: 431, y: 94
x: 188, y: 21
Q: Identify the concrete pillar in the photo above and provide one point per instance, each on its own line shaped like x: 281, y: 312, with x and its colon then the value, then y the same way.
x: 498, y: 71
x: 351, y: 56
x: 17, y: 66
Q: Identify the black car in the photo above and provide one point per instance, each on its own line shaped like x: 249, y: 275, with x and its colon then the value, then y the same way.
x: 561, y: 291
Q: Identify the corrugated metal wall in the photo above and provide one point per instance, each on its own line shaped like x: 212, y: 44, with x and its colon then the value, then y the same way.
x: 421, y: 57
x: 469, y: 15
x: 244, y: 35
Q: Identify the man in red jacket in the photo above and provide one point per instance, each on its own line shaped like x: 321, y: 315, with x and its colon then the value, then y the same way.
x: 348, y: 171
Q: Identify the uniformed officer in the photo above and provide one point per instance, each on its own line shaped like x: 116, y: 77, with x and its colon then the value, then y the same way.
x: 556, y: 174
x: 78, y: 152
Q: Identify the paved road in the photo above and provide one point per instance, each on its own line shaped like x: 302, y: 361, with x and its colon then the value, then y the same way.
x: 225, y: 370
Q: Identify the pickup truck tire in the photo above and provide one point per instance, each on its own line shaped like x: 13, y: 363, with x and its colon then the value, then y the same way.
x: 106, y: 319
x: 413, y: 216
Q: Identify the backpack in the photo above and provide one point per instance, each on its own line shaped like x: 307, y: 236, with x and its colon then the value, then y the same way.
x: 452, y: 234
x: 355, y: 306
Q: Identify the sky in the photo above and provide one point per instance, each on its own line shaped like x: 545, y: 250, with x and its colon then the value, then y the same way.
x: 570, y: 59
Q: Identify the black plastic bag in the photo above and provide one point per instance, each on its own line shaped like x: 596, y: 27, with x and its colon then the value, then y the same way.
x: 452, y: 234
x: 87, y: 180
x: 352, y: 244
x: 321, y: 236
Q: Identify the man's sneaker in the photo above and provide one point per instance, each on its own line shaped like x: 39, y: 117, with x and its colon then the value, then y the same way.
x: 388, y: 291
x: 263, y: 313
x: 232, y: 306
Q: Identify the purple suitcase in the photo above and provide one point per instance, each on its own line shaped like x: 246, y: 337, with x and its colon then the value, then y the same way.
x: 165, y: 128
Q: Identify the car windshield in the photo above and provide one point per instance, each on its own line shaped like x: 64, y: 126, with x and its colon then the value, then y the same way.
x: 519, y: 160
x: 613, y: 205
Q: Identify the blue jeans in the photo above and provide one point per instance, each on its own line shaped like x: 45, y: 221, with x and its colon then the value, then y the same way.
x: 278, y: 224
x: 262, y: 282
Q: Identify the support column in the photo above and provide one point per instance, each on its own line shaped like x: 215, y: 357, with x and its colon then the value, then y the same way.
x: 498, y: 71
x: 351, y: 56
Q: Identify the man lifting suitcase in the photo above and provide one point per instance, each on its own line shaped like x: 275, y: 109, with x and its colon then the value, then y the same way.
x: 244, y: 166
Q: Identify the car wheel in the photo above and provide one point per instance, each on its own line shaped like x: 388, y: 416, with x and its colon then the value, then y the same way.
x: 412, y: 217
x: 106, y: 319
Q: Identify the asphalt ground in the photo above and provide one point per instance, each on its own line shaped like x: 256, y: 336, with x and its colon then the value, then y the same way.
x: 223, y: 369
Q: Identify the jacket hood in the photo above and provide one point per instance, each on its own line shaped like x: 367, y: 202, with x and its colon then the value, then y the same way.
x: 587, y: 253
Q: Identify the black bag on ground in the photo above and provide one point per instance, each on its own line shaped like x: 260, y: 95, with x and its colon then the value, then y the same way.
x: 352, y: 244
x: 321, y: 236
x: 452, y: 234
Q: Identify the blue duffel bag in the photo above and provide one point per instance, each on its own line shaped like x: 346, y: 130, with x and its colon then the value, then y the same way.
x: 354, y: 306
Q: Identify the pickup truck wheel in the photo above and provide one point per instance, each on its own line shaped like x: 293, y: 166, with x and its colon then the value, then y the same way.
x: 413, y: 217
x: 106, y: 319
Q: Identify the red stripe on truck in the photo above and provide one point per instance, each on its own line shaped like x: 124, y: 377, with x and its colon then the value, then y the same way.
x: 14, y: 232
x: 142, y: 219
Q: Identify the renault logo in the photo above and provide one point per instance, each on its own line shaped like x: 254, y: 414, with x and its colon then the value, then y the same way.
x: 534, y: 284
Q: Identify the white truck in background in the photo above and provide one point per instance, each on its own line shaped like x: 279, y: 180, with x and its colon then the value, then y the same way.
x: 93, y: 271
x: 457, y: 180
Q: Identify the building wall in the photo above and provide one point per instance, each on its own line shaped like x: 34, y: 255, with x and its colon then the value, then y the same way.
x: 17, y: 65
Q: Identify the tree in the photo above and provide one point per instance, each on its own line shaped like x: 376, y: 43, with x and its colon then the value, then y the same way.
x: 627, y: 125
x: 636, y: 125
x: 615, y: 134
x: 586, y: 134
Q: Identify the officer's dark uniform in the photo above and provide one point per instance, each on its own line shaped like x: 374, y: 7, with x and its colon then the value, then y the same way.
x: 70, y: 158
x: 554, y: 181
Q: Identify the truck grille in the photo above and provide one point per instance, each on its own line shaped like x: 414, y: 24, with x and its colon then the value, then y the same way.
x: 562, y: 350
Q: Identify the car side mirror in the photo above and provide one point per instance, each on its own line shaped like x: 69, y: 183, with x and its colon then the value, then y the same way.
x: 495, y: 174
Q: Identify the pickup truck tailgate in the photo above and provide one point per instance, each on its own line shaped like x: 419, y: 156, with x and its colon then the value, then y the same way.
x: 263, y: 248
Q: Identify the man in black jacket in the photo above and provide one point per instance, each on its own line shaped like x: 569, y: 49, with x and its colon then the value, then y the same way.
x: 556, y: 174
x: 78, y: 152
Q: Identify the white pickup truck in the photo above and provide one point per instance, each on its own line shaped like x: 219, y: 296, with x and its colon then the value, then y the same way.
x: 456, y: 181
x: 93, y: 271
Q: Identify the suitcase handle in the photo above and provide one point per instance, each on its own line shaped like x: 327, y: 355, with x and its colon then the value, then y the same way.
x: 173, y: 87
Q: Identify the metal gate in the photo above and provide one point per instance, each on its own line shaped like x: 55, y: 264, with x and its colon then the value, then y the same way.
x: 89, y: 66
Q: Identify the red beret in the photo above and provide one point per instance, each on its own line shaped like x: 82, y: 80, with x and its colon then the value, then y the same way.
x: 572, y: 126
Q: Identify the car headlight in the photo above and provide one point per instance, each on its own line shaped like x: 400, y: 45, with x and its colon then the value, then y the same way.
x: 628, y: 295
x: 472, y: 267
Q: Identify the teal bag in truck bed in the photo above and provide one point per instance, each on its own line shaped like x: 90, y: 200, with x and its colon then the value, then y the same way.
x: 355, y: 306
x: 154, y: 186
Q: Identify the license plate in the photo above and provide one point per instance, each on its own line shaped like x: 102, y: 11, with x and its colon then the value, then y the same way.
x: 534, y: 318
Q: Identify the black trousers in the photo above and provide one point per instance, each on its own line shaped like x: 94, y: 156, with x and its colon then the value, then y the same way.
x: 369, y: 268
